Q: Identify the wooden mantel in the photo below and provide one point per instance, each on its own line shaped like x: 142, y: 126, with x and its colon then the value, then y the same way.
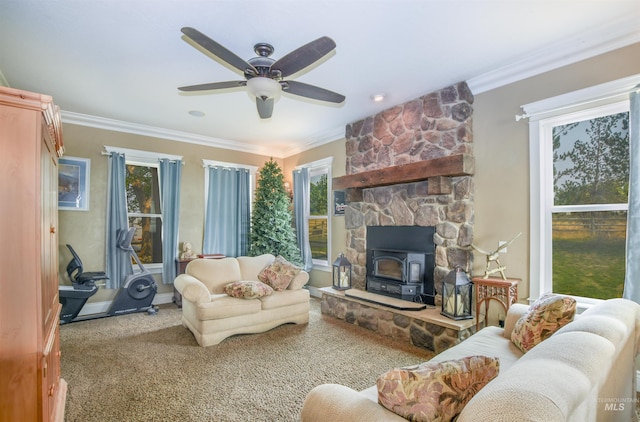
x: 437, y: 170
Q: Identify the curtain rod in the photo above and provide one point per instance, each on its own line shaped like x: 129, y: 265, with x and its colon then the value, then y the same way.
x: 578, y: 104
x: 142, y: 156
x: 582, y: 97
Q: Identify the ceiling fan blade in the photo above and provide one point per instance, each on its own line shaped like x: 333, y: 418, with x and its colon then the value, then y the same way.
x: 265, y: 107
x: 213, y: 85
x: 304, y: 56
x: 218, y: 50
x: 310, y: 91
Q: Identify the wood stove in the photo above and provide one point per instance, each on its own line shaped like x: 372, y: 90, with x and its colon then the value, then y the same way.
x: 400, y: 262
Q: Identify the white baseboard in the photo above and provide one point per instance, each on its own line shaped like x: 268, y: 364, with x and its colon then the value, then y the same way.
x: 315, y: 292
x: 91, y: 308
x: 163, y: 298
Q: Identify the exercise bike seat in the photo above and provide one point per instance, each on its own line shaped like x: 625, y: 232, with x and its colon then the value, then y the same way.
x: 78, y: 276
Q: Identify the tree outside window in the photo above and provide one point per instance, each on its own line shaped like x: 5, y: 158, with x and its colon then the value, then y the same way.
x: 318, y: 216
x: 588, y: 216
x: 144, y: 213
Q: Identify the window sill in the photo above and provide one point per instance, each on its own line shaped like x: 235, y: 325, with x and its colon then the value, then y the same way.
x: 582, y: 303
x: 325, y: 268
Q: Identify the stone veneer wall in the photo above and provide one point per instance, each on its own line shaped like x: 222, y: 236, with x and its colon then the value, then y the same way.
x: 400, y: 327
x: 435, y: 125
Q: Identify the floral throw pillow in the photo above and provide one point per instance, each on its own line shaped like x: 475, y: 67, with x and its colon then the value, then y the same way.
x: 546, y: 316
x: 435, y: 391
x: 247, y: 289
x: 279, y: 273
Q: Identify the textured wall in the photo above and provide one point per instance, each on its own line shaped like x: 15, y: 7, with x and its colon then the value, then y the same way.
x: 435, y: 125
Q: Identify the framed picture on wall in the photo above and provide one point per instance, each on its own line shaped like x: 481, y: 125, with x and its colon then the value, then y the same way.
x: 338, y: 202
x: 73, y: 183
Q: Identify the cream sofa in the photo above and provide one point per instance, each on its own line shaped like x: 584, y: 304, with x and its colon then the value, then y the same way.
x: 212, y: 315
x: 584, y: 372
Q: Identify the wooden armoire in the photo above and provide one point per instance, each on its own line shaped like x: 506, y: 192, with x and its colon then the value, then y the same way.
x: 30, y: 143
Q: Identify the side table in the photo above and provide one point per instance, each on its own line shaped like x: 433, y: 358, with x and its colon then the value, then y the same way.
x: 496, y: 288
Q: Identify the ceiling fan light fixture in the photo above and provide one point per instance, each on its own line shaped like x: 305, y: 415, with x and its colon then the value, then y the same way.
x: 263, y: 87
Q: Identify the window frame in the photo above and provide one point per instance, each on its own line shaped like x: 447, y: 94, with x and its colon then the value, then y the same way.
x: 156, y: 165
x: 318, y: 167
x: 147, y: 159
x: 608, y: 98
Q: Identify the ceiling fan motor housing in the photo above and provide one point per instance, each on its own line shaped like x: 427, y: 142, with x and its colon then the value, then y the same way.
x: 262, y: 65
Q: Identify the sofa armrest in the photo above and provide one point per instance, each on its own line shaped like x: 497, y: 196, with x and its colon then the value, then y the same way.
x: 192, y: 289
x: 513, y: 315
x: 299, y: 281
x: 337, y: 403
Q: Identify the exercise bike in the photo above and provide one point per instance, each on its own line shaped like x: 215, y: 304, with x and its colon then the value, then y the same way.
x: 135, y: 295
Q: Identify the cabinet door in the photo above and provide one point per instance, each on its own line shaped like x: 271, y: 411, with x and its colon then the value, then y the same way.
x: 49, y: 230
x: 50, y: 361
x: 50, y: 372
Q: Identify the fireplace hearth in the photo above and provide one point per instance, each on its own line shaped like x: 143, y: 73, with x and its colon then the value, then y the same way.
x: 400, y: 262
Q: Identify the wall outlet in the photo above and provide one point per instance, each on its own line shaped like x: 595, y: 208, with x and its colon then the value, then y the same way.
x: 500, y: 243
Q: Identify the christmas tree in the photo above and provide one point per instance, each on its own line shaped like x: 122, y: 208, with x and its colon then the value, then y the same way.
x: 271, y: 229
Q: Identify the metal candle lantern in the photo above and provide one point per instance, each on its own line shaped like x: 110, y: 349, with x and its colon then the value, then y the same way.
x: 457, y: 295
x: 341, y: 273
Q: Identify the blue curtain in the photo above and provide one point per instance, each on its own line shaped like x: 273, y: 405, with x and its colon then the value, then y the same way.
x: 632, y: 277
x: 170, y: 174
x: 301, y: 211
x: 118, y: 261
x: 227, y: 214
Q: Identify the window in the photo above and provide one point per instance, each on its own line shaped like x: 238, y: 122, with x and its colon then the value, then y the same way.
x: 587, y: 209
x: 579, y: 165
x: 318, y: 219
x: 318, y: 216
x: 144, y: 211
x: 229, y: 189
x: 144, y: 207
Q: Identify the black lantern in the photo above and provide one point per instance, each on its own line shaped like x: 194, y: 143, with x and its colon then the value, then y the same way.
x: 341, y: 273
x: 457, y: 295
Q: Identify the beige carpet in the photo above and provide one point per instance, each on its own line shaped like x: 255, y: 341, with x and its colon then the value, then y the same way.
x: 150, y: 368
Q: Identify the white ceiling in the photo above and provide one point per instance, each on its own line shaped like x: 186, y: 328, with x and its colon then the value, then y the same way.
x: 118, y: 63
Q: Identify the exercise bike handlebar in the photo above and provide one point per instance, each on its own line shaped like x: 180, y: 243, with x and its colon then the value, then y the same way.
x: 125, y: 237
x: 124, y: 242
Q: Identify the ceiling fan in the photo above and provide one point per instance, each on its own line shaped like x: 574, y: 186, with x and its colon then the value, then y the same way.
x: 264, y: 75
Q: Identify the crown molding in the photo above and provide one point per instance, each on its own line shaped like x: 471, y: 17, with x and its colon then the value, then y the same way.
x: 157, y: 132
x: 611, y: 37
x: 174, y: 135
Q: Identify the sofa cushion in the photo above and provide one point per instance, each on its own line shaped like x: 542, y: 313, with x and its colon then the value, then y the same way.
x: 284, y: 298
x: 279, y: 273
x: 223, y: 306
x: 215, y: 273
x: 547, y: 314
x: 250, y: 266
x: 435, y: 391
x: 247, y: 289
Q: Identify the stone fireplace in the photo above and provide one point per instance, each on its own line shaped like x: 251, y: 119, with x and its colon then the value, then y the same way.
x: 412, y: 165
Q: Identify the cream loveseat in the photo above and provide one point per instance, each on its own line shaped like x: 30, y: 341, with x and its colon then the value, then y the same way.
x: 584, y: 372
x: 213, y: 315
